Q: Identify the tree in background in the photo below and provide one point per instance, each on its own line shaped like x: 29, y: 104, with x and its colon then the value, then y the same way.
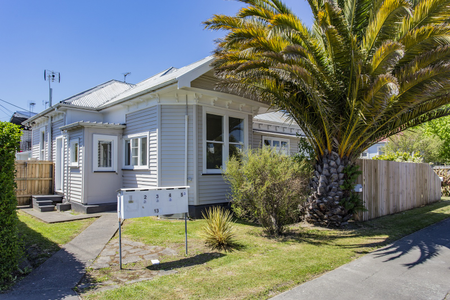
x: 9, y: 243
x: 440, y: 129
x: 367, y: 70
x: 415, y: 141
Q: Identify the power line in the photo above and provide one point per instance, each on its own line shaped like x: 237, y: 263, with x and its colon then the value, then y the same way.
x: 15, y: 105
x: 6, y: 109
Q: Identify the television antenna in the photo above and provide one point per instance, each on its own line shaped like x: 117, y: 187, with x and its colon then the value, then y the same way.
x: 51, y: 76
x: 31, y: 104
x: 125, y: 76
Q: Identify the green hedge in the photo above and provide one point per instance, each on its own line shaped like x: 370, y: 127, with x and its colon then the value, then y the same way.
x: 9, y: 243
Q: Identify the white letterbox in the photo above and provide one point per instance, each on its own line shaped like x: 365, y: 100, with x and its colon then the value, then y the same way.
x: 144, y: 202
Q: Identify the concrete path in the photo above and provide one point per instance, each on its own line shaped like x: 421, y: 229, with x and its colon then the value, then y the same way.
x: 57, y: 216
x: 415, y: 267
x: 57, y: 276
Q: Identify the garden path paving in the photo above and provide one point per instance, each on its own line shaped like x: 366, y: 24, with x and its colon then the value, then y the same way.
x: 414, y: 267
x: 56, y: 277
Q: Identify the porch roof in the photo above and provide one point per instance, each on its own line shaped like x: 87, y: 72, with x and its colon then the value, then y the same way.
x: 79, y: 124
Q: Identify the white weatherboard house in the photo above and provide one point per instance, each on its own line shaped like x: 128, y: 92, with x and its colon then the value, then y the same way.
x: 172, y: 129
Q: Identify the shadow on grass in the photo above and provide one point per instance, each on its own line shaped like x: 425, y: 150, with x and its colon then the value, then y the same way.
x: 186, y: 262
x: 385, y: 230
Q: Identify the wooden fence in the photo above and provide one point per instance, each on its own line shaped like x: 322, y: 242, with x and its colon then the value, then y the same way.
x: 390, y: 187
x: 33, y: 178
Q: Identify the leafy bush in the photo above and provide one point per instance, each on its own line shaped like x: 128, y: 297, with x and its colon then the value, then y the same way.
x: 218, y: 231
x: 413, y: 157
x: 267, y: 187
x: 445, y: 184
x: 9, y: 243
x: 351, y: 202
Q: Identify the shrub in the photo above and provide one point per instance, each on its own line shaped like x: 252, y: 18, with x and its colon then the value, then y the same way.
x: 415, y: 157
x: 9, y: 243
x: 267, y: 187
x: 445, y: 184
x: 218, y: 231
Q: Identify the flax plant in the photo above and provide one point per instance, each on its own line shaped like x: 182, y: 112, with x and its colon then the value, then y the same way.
x: 218, y: 231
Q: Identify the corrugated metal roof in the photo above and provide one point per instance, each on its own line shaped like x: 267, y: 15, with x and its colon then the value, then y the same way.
x: 275, y: 117
x: 98, y: 95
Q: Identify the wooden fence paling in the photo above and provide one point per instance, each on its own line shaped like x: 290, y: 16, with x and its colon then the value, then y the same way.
x: 33, y: 178
x: 390, y: 187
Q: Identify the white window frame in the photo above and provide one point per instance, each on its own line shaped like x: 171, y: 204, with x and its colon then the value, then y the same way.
x: 139, y: 137
x: 73, y: 162
x: 42, y: 143
x: 226, y: 115
x: 273, y: 138
x: 366, y: 154
x: 114, y: 147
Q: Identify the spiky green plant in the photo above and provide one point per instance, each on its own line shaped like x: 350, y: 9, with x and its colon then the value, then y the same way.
x: 218, y: 231
x: 366, y: 70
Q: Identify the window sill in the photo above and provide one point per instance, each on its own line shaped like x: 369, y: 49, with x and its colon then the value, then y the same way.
x: 105, y: 172
x: 208, y: 174
x: 136, y: 169
x: 74, y: 166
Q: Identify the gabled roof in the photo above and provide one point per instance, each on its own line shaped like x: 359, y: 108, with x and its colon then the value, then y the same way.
x: 182, y: 76
x: 99, y: 94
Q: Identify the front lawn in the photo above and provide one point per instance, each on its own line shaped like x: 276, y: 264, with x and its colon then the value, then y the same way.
x: 260, y: 266
x: 41, y: 240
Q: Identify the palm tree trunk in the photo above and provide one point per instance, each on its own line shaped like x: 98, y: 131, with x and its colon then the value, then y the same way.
x: 323, y: 206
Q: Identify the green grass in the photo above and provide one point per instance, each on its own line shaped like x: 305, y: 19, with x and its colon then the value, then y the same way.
x: 41, y: 240
x: 261, y: 266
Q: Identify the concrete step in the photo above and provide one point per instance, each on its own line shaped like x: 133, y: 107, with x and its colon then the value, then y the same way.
x: 37, y: 203
x: 45, y: 208
x: 54, y: 198
x: 63, y: 206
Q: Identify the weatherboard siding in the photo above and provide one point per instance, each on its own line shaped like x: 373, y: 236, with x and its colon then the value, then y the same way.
x: 56, y: 132
x: 35, y: 142
x: 75, y: 175
x: 173, y: 148
x: 143, y: 121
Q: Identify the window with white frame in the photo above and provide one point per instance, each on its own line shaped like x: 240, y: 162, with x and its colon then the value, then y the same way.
x: 365, y: 154
x: 279, y: 145
x: 42, y: 144
x: 74, y: 152
x: 105, y: 152
x: 224, y: 136
x: 136, y: 152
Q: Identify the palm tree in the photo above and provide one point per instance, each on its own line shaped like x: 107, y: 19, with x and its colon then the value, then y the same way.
x: 366, y: 70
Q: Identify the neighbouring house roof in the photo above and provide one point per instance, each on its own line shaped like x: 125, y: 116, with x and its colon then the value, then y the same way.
x: 79, y: 124
x: 99, y: 94
x: 275, y: 117
x: 19, y: 116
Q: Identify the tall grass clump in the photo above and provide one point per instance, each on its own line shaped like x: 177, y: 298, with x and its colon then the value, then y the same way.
x: 267, y: 187
x: 9, y: 242
x: 218, y: 231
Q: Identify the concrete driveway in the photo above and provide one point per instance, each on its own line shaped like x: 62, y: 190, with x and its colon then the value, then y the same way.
x: 415, y: 267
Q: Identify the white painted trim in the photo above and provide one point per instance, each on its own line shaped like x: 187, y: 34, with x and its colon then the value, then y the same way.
x: 71, y: 144
x: 225, y: 115
x: 158, y: 146
x: 114, y: 151
x: 196, y: 153
x: 60, y: 160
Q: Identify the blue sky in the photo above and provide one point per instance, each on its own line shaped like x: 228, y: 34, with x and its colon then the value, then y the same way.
x: 91, y: 42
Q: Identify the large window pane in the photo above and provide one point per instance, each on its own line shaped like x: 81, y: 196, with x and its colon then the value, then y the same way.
x: 267, y: 143
x: 127, y: 152
x: 214, y: 155
x: 235, y: 150
x: 236, y: 129
x: 104, y: 154
x: 144, y: 151
x: 214, y: 128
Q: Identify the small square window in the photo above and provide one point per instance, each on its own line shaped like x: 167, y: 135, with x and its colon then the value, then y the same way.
x: 105, y: 152
x: 136, y: 152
